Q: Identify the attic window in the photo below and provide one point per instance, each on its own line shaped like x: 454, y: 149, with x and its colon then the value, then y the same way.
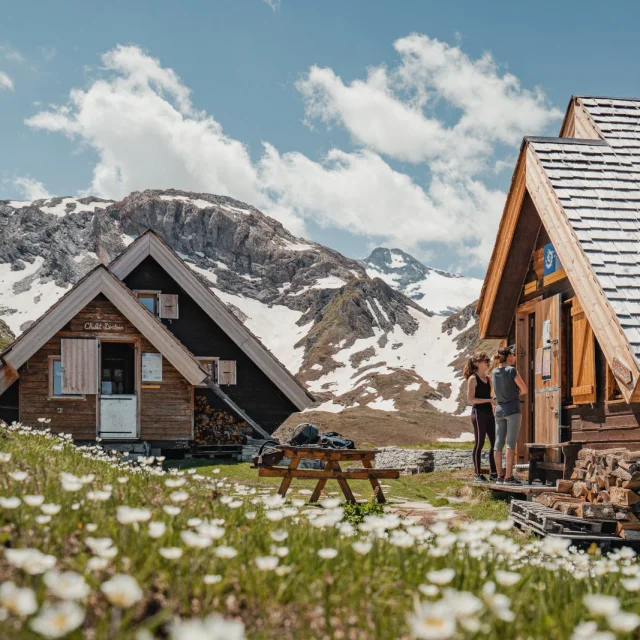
x: 211, y: 366
x: 150, y: 299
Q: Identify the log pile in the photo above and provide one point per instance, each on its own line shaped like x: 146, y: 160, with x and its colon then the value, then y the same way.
x: 604, y: 484
x: 214, y: 426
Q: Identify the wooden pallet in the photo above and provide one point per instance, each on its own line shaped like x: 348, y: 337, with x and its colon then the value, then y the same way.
x: 547, y: 521
x: 229, y: 451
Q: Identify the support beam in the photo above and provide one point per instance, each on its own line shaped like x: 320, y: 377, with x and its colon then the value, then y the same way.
x: 235, y: 408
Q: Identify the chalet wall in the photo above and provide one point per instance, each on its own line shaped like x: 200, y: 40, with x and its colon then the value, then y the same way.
x: 254, y: 391
x: 166, y: 411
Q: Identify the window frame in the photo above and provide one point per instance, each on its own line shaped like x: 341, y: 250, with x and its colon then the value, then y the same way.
x: 202, y: 360
x: 51, y: 395
x: 149, y: 293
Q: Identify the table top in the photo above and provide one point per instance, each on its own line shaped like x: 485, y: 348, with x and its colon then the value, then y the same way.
x: 327, y: 452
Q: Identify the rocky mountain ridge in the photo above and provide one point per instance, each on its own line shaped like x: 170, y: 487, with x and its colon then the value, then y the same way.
x: 442, y: 292
x: 353, y: 339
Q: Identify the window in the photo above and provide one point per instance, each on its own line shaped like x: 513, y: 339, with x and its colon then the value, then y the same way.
x: 55, y: 380
x: 149, y: 299
x: 211, y: 365
x: 56, y: 374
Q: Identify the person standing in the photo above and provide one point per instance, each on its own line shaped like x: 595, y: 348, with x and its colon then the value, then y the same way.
x: 480, y: 399
x: 508, y: 386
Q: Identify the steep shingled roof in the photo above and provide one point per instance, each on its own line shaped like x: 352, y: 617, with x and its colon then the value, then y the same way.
x: 598, y: 185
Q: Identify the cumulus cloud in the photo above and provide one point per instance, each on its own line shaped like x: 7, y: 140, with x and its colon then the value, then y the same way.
x: 8, y: 52
x: 31, y: 189
x: 139, y: 119
x: 5, y: 82
x: 394, y: 112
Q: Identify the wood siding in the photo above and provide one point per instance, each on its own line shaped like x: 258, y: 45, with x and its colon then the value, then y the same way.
x: 166, y: 411
x: 254, y: 392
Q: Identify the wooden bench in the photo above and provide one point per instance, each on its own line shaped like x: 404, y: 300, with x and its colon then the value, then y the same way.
x: 332, y: 471
x: 543, y: 470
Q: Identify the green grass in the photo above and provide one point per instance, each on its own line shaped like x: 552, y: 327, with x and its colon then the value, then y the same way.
x: 350, y: 596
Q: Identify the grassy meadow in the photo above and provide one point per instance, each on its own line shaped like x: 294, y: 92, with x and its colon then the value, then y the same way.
x: 97, y: 546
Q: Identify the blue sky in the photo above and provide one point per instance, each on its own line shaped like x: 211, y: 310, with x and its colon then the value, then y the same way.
x: 349, y: 165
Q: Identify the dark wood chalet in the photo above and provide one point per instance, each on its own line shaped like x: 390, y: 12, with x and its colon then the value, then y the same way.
x: 125, y: 354
x: 563, y: 282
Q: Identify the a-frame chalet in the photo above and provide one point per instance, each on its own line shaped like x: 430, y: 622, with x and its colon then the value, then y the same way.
x: 125, y: 352
x: 563, y: 282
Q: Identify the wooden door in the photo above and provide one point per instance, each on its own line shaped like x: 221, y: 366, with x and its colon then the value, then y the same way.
x: 227, y: 372
x: 548, y: 371
x: 79, y: 364
x: 524, y: 358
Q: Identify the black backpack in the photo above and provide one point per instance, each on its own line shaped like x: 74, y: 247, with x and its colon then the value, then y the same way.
x: 305, y: 434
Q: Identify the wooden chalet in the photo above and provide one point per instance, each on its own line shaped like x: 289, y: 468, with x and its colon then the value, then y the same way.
x: 124, y: 354
x: 563, y: 282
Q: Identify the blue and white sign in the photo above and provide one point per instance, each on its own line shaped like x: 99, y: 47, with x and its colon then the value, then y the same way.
x: 551, y: 261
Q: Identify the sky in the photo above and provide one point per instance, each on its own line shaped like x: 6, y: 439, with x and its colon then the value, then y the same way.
x: 356, y: 123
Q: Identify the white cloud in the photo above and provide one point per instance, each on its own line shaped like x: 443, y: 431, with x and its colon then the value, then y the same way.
x: 138, y: 118
x: 31, y: 189
x: 274, y: 4
x: 8, y: 52
x: 394, y: 112
x: 5, y: 81
x: 359, y: 192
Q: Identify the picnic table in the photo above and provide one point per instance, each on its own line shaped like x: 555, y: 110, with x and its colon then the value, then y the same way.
x: 332, y: 471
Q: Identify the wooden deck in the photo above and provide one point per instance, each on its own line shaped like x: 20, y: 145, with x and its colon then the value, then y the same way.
x: 506, y: 490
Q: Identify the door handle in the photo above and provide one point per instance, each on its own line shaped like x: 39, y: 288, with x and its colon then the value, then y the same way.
x: 554, y: 341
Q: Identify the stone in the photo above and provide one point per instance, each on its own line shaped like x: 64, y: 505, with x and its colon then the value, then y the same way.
x: 18, y: 265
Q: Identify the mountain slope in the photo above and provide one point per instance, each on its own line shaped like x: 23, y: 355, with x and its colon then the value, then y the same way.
x: 354, y: 340
x: 439, y: 291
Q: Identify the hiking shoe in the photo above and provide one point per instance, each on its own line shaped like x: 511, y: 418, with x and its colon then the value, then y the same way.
x: 493, y: 477
x: 512, y: 480
x: 500, y: 480
x: 480, y: 478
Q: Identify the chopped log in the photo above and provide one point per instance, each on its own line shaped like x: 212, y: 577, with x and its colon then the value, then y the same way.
x: 579, y: 489
x: 603, y: 496
x: 564, y: 486
x: 631, y: 517
x: 579, y: 474
x: 568, y: 508
x: 590, y: 510
x: 623, y: 497
x: 621, y: 473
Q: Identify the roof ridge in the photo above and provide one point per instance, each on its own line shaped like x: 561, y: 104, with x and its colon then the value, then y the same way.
x: 588, y: 97
x: 558, y: 140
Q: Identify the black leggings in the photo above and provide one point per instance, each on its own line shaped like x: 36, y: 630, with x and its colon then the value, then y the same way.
x: 484, y: 426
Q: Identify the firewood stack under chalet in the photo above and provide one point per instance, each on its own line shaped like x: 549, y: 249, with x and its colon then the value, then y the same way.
x: 214, y: 426
x: 604, y: 484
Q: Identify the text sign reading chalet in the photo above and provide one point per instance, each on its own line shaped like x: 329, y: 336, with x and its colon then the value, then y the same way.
x: 103, y: 326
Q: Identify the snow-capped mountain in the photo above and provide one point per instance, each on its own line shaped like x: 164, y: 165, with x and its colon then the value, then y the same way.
x: 439, y: 291
x: 350, y: 337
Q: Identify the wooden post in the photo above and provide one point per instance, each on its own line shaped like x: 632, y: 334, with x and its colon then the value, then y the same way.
x: 375, y: 485
x: 286, y: 481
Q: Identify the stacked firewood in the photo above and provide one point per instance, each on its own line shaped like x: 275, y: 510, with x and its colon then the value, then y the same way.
x: 604, y: 484
x: 214, y: 426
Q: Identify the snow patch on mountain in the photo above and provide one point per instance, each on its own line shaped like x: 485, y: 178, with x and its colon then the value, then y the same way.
x: 439, y: 291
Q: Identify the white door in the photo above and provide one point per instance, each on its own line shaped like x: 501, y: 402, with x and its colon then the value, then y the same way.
x: 118, y: 416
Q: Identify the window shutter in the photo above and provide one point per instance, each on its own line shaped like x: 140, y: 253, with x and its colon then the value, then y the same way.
x: 169, y: 306
x: 583, y: 388
x: 79, y: 364
x: 226, y: 372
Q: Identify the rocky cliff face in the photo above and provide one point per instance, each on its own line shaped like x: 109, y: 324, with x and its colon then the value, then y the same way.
x: 353, y: 339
